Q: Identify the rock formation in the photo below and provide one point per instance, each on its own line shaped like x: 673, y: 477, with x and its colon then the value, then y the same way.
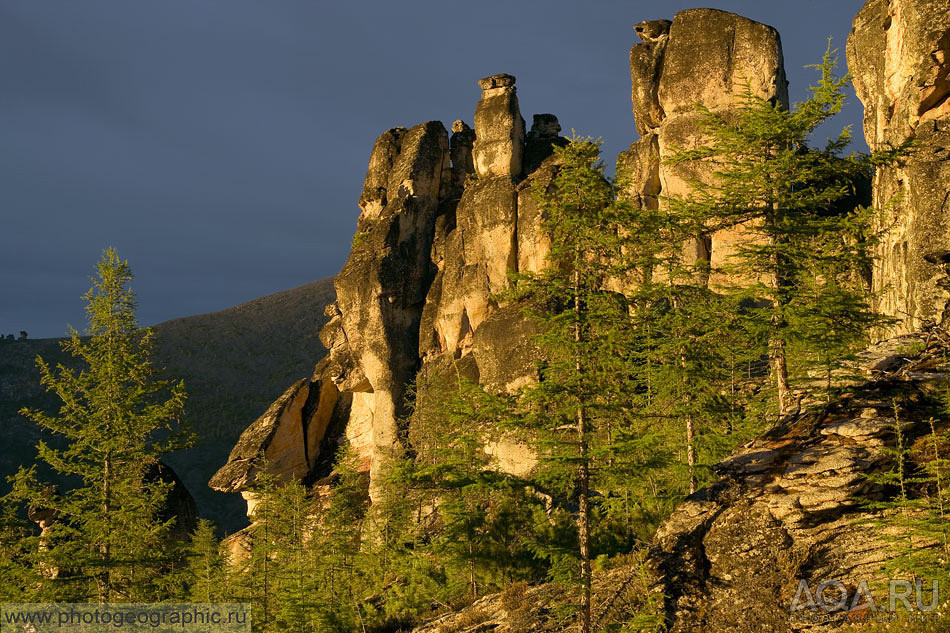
x: 898, y: 54
x: 737, y: 54
x: 289, y: 437
x: 791, y: 504
x: 445, y: 219
x: 443, y: 222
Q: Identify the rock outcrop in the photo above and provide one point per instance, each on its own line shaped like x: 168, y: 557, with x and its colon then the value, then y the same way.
x: 898, y: 55
x: 289, y: 437
x: 792, y: 505
x: 179, y: 504
x: 444, y: 221
x: 731, y: 54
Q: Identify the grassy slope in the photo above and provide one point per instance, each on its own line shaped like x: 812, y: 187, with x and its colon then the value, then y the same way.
x: 234, y: 362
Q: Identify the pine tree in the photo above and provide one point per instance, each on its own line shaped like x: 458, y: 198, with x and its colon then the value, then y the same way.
x: 797, y: 268
x: 337, y: 542
x: 18, y: 546
x: 108, y: 541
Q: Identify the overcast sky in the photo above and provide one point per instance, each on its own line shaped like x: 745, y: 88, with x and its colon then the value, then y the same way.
x: 221, y: 145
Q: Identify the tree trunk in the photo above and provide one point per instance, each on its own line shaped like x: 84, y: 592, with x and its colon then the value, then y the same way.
x: 583, y: 522
x: 776, y: 340
x: 105, y: 548
x: 583, y: 511
x: 780, y: 371
x: 690, y: 453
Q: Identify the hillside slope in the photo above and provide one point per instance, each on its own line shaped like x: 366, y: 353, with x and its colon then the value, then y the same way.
x: 234, y: 362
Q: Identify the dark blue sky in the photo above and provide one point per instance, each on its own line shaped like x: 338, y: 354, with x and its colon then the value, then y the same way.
x: 220, y: 145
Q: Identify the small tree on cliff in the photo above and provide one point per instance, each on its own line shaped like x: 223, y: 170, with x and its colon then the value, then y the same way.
x: 108, y: 541
x: 798, y: 267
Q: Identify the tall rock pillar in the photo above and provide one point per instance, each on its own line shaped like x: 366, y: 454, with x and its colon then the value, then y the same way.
x: 703, y: 57
x: 382, y: 287
x: 476, y: 255
x: 898, y: 55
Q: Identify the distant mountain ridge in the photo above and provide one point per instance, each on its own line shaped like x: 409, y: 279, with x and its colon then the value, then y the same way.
x: 234, y: 362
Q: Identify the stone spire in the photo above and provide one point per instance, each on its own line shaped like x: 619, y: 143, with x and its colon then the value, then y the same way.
x: 499, y: 129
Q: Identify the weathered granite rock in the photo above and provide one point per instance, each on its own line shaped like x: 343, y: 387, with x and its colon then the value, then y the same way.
x: 898, y: 54
x: 505, y: 352
x: 382, y: 287
x: 735, y: 53
x: 475, y: 246
x: 499, y: 129
x: 460, y: 151
x: 641, y: 166
x: 533, y: 242
x: 791, y: 505
x: 290, y: 436
x: 479, y: 252
x: 646, y: 63
x: 381, y: 160
x: 541, y: 141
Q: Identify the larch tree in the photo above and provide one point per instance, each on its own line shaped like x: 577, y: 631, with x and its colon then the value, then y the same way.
x: 108, y: 540
x: 796, y: 269
x: 573, y: 414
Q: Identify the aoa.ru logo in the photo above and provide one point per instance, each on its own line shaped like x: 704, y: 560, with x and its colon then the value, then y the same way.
x: 834, y: 600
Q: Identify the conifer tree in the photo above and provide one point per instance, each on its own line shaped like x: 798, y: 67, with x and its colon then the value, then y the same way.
x: 786, y: 195
x: 337, y: 541
x: 571, y: 414
x: 205, y: 570
x: 108, y: 541
x: 277, y: 576
x: 483, y: 515
x: 21, y: 580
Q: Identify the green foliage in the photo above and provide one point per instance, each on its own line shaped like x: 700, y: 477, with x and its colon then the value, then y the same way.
x: 359, y: 238
x: 648, y: 375
x: 107, y: 540
x: 914, y: 516
x: 21, y: 579
x: 799, y: 270
x: 578, y: 417
x: 482, y: 517
x: 205, y: 571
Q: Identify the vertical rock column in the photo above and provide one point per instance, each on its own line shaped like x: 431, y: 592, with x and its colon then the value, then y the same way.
x: 481, y: 247
x: 382, y: 287
x: 499, y: 129
x: 706, y: 57
x: 898, y: 54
